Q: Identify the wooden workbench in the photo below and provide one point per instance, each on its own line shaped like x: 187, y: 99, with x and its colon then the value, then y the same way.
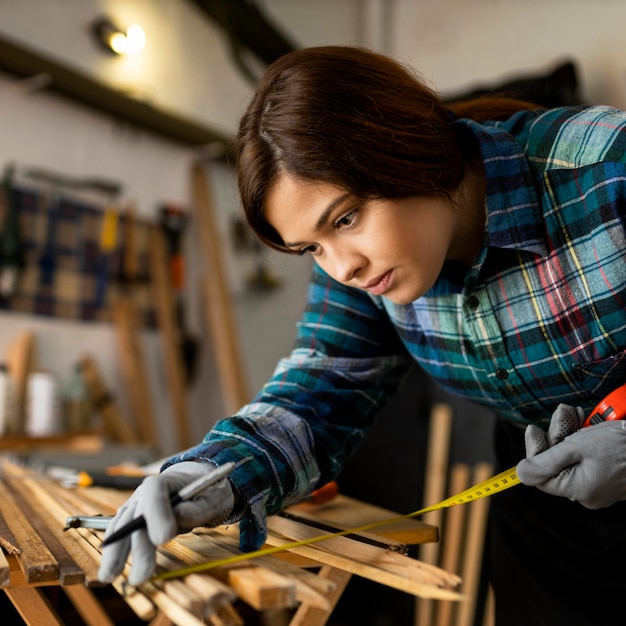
x: 306, y: 581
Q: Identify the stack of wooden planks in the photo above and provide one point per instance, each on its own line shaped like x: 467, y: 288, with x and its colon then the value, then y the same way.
x: 305, y: 581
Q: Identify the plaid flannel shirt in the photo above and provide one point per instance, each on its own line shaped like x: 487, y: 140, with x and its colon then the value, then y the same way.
x: 539, y: 319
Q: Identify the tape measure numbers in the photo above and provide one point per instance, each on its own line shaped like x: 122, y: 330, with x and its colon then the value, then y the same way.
x: 486, y: 488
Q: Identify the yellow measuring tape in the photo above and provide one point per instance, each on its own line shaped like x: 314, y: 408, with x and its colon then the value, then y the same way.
x: 488, y: 487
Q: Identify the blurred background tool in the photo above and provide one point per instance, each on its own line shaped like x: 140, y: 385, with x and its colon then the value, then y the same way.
x: 173, y: 221
x: 11, y: 251
x: 96, y: 478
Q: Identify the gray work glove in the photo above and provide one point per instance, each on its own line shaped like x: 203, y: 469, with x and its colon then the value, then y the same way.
x: 211, y: 507
x: 565, y: 421
x: 586, y: 465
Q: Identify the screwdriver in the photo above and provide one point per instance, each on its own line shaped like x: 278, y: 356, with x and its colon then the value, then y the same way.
x: 186, y: 493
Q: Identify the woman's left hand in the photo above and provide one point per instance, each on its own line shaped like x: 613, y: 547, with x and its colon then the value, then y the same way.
x: 588, y: 465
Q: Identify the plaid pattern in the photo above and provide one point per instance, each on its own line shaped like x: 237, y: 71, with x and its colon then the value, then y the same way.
x: 540, y: 318
x: 65, y: 275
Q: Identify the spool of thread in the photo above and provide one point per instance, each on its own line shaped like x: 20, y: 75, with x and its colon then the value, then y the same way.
x: 42, y: 413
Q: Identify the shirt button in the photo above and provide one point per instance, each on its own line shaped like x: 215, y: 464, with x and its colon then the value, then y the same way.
x: 473, y: 302
x: 502, y: 374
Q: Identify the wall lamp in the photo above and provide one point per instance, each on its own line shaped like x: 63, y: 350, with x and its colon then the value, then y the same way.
x: 115, y: 40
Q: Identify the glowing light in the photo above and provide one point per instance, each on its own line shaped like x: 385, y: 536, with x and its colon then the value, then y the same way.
x: 130, y: 43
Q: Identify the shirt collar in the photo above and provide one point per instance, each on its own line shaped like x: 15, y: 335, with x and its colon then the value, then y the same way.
x: 514, y: 217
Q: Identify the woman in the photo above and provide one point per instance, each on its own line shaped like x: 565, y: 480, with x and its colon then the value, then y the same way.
x: 484, y: 241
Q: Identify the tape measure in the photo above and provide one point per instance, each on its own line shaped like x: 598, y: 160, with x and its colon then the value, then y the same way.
x: 486, y: 488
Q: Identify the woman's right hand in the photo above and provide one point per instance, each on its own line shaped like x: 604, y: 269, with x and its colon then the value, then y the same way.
x: 211, y: 507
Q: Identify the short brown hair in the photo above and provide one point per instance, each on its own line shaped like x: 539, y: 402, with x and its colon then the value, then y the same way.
x: 350, y: 117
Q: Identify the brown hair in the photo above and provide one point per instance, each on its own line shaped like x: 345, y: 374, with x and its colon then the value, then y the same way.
x: 356, y: 119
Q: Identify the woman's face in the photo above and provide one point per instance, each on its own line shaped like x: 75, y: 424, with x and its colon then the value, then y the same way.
x: 391, y: 248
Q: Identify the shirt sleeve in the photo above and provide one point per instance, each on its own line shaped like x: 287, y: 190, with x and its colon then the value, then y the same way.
x: 310, y: 416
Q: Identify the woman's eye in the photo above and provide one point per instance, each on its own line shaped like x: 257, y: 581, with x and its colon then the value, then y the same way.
x: 312, y: 249
x: 347, y: 220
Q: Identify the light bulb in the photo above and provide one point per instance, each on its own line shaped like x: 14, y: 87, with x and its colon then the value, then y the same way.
x: 130, y: 43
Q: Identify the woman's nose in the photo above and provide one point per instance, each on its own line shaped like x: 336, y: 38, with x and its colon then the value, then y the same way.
x: 347, y: 265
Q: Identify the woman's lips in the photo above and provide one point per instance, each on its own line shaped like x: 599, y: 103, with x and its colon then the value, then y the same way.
x: 378, y: 286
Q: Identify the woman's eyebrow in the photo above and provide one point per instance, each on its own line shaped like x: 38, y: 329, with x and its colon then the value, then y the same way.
x: 323, y: 218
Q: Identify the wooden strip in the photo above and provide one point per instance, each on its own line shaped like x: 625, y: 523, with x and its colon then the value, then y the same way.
x: 178, y: 614
x: 195, y: 549
x: 90, y: 542
x: 132, y: 366
x: 364, y: 553
x: 308, y: 615
x: 69, y: 573
x: 351, y: 513
x: 21, y: 362
x: 371, y: 572
x: 326, y: 526
x: 474, y: 548
x: 104, y: 403
x: 70, y: 539
x: 434, y: 491
x: 36, y: 561
x: 225, y: 616
x: 162, y: 620
x: 261, y: 588
x: 197, y: 594
x: 5, y: 570
x: 453, y: 535
x: 214, y: 593
x: 33, y: 607
x: 19, y: 580
x: 136, y: 599
x: 88, y: 606
x: 165, y: 310
x: 7, y: 540
x: 218, y: 301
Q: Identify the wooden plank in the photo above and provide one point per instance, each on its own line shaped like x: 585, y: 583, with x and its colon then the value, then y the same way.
x: 453, y: 533
x: 195, y: 549
x: 166, y: 317
x: 434, y: 491
x: 19, y: 580
x: 308, y: 615
x: 364, y: 553
x: 114, y: 423
x: 7, y: 540
x: 5, y: 570
x: 221, y: 314
x: 162, y: 620
x: 69, y: 538
x: 88, y: 606
x: 20, y: 362
x: 371, y: 572
x: 347, y: 512
x: 33, y: 607
x: 133, y: 371
x: 472, y: 560
x: 36, y: 561
x: 69, y: 572
x: 261, y: 588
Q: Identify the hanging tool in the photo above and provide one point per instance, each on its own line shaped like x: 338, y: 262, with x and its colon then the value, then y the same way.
x: 47, y: 260
x: 108, y: 239
x: 11, y: 251
x: 173, y: 221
